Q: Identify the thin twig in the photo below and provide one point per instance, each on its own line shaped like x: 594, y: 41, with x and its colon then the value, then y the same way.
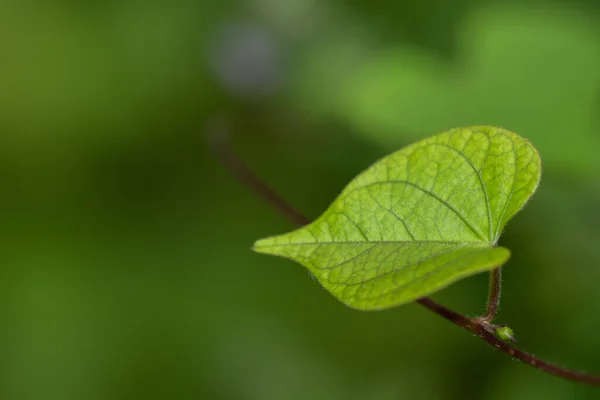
x: 493, y: 302
x: 480, y: 330
x: 219, y: 136
x: 473, y: 325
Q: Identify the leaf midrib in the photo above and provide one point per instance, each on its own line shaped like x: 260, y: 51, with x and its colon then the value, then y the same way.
x: 478, y: 244
x: 401, y: 267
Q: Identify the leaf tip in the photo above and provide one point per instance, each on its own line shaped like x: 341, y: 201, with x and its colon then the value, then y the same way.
x: 261, y: 245
x: 256, y: 246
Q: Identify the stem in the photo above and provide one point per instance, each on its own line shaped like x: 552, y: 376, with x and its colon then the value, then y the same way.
x: 491, y: 308
x: 476, y: 326
x: 220, y: 141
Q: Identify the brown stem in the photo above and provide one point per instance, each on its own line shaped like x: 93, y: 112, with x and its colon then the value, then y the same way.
x: 219, y: 137
x: 473, y: 325
x: 493, y: 302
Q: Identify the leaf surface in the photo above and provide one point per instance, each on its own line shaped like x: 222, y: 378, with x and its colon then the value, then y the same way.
x: 418, y: 219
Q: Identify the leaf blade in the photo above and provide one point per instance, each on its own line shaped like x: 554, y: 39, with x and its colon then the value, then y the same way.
x: 446, y: 196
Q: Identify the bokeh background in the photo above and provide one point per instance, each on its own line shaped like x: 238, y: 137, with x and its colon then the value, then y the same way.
x: 126, y: 269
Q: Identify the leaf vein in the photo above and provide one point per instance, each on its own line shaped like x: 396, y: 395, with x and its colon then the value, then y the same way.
x: 393, y: 271
x: 431, y: 194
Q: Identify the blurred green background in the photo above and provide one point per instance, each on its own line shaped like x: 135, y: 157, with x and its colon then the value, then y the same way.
x: 126, y: 267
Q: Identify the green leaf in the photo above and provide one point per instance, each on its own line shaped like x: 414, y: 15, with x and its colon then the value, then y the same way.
x: 417, y: 220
